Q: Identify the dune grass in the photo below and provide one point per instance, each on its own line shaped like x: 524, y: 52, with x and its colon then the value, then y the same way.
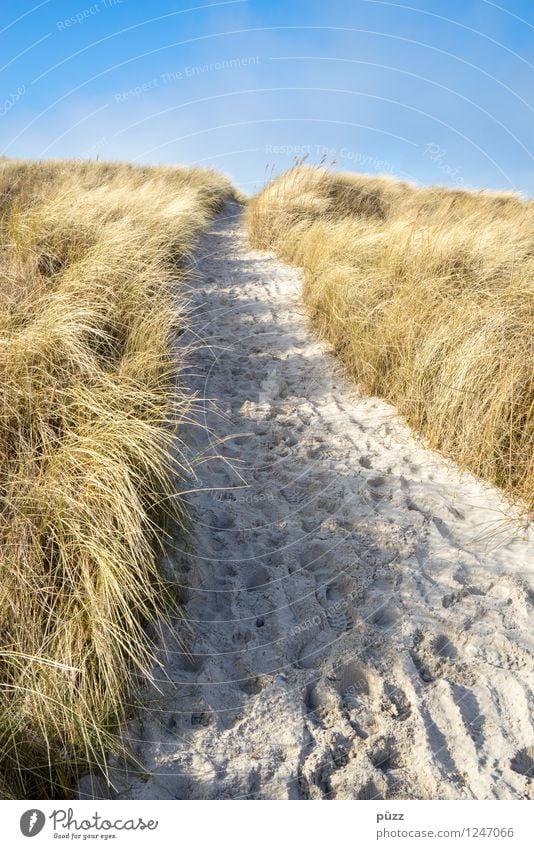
x: 426, y: 294
x: 91, y: 256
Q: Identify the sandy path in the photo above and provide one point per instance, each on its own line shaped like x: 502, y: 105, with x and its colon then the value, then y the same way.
x: 362, y: 613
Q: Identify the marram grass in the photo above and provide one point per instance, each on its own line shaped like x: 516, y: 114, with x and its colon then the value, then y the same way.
x: 427, y: 295
x: 91, y: 256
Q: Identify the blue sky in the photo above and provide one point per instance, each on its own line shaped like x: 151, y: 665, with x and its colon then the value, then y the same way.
x: 429, y: 91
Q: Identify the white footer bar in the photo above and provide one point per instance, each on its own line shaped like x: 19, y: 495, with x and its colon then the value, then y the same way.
x: 270, y: 824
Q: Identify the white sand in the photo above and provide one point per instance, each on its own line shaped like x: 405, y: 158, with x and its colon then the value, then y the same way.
x: 361, y: 611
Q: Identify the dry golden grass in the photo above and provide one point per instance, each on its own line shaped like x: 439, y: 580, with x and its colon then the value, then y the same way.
x: 89, y: 258
x: 427, y: 296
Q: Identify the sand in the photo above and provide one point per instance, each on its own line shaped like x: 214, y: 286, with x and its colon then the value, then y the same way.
x: 360, y: 611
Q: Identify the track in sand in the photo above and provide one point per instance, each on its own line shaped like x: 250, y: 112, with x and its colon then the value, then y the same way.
x: 361, y: 612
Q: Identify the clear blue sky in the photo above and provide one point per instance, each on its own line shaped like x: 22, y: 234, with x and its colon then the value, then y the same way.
x: 431, y: 91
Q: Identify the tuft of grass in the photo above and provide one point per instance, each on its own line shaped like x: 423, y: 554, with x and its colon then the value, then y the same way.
x: 91, y: 258
x: 427, y: 295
